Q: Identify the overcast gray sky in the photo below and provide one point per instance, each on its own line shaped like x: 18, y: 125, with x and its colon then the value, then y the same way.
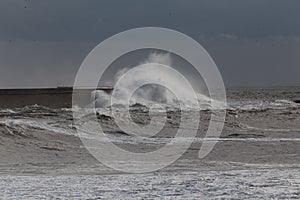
x: 253, y: 42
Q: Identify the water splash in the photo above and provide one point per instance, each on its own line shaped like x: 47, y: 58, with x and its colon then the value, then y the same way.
x: 153, y: 93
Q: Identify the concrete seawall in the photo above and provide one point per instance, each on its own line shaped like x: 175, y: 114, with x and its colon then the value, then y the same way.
x: 60, y: 97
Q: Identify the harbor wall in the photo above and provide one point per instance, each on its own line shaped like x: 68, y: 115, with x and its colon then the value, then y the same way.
x: 60, y: 97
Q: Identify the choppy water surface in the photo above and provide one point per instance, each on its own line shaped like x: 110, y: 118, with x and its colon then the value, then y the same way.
x: 238, y: 184
x: 257, y: 154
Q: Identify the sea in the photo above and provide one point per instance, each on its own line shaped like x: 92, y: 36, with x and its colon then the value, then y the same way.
x: 44, y: 153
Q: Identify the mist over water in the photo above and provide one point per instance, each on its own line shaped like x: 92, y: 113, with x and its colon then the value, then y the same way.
x: 150, y: 71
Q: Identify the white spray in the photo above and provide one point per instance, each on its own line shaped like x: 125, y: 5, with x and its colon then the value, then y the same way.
x: 151, y: 93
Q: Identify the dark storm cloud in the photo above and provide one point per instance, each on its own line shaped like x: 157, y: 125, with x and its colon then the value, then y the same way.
x: 94, y: 20
x: 47, y: 40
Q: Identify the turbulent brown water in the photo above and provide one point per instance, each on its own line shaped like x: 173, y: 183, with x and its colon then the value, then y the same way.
x: 257, y: 155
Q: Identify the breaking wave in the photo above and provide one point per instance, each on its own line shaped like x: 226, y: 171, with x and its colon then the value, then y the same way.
x: 153, y: 83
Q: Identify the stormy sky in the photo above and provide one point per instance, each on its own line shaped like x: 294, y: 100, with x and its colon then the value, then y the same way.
x: 253, y: 42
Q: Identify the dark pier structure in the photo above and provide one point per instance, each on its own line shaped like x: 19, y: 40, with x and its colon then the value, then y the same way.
x: 60, y: 97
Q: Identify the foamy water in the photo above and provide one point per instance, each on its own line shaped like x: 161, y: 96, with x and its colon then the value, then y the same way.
x: 234, y: 184
x: 261, y: 136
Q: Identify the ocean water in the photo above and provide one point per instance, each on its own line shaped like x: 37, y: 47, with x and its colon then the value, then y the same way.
x: 233, y: 184
x: 257, y: 155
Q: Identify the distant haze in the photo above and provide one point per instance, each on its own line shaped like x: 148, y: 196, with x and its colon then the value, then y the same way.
x: 253, y: 42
